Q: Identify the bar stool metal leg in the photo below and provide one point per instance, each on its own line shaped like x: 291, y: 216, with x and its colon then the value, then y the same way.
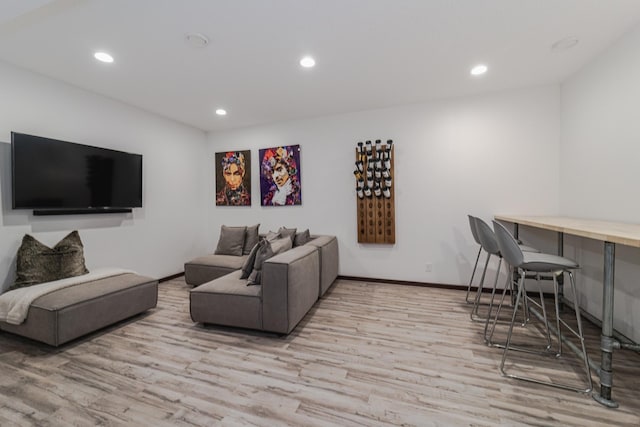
x: 473, y: 273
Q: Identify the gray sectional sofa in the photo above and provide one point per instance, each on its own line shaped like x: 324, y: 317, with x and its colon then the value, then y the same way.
x: 291, y: 283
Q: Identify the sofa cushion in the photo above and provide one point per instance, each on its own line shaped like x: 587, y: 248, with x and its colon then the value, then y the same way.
x: 247, y: 266
x: 272, y: 235
x: 301, y: 238
x: 231, y: 241
x: 209, y: 267
x: 266, y: 250
x: 37, y: 263
x: 288, y: 232
x: 251, y: 239
x: 227, y: 301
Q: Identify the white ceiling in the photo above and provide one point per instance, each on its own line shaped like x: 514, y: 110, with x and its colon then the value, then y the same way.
x: 369, y: 53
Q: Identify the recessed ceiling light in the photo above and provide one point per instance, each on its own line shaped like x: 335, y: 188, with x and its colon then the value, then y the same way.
x: 221, y: 112
x: 103, y: 57
x: 197, y: 39
x: 564, y: 44
x: 479, y: 70
x: 307, y: 62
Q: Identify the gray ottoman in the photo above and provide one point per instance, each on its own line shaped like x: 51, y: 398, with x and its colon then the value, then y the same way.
x: 71, y: 312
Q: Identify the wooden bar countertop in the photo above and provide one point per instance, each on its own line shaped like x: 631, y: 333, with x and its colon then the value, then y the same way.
x: 609, y: 231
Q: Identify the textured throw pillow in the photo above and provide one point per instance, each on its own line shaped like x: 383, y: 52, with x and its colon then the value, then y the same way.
x: 301, y: 238
x: 265, y: 251
x: 247, y: 266
x: 231, y: 240
x: 250, y: 239
x: 71, y: 253
x: 289, y: 232
x: 37, y: 263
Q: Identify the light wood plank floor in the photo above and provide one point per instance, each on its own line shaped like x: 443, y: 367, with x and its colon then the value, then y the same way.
x: 366, y: 355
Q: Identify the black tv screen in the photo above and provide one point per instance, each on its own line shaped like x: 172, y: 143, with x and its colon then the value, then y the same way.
x: 53, y: 174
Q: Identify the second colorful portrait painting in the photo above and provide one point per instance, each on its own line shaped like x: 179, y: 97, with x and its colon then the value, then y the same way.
x: 280, y: 176
x: 233, y: 178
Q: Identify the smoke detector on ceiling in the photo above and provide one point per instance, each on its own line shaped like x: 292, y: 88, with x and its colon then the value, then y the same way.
x: 197, y: 39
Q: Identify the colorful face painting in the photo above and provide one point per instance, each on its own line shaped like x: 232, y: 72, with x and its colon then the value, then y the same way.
x: 233, y: 178
x: 280, y: 176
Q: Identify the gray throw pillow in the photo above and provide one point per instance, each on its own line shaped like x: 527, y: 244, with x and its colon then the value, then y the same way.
x: 247, y: 266
x: 289, y: 232
x: 250, y: 239
x: 265, y: 251
x: 301, y: 238
x: 37, y: 263
x: 231, y: 240
x: 273, y: 235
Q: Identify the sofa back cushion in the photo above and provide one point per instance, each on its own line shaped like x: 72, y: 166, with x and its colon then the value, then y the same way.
x: 288, y: 232
x: 301, y: 238
x: 231, y: 241
x: 267, y: 249
x: 251, y: 239
x: 247, y: 266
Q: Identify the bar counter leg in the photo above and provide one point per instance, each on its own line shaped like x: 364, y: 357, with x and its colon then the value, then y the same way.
x: 607, y: 340
x: 561, y: 277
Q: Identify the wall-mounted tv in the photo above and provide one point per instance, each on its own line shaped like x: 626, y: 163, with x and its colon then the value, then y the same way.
x: 58, y: 177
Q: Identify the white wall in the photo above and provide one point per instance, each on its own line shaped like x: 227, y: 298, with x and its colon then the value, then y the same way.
x: 155, y: 240
x: 599, y: 178
x: 481, y: 155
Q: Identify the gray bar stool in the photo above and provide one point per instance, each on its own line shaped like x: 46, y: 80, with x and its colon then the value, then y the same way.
x: 540, y: 263
x: 489, y: 244
x: 474, y: 233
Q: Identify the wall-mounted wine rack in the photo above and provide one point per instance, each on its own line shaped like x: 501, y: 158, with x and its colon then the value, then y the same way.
x: 375, y: 192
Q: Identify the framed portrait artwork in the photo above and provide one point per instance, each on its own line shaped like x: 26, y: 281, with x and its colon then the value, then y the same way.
x: 233, y: 178
x: 280, y: 176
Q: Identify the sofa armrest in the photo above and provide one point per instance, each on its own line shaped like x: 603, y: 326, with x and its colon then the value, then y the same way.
x: 290, y: 283
x: 329, y: 260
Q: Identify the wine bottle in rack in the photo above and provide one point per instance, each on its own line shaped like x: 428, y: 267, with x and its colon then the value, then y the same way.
x: 387, y: 182
x: 360, y: 192
x: 367, y: 191
x: 359, y: 148
x: 377, y: 191
x: 386, y: 192
x: 368, y: 149
x: 378, y: 173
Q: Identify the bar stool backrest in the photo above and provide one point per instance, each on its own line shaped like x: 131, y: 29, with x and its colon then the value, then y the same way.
x: 474, y: 231
x: 487, y: 237
x: 509, y: 247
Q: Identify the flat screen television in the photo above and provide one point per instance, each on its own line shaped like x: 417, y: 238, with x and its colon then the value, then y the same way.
x: 55, y: 176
